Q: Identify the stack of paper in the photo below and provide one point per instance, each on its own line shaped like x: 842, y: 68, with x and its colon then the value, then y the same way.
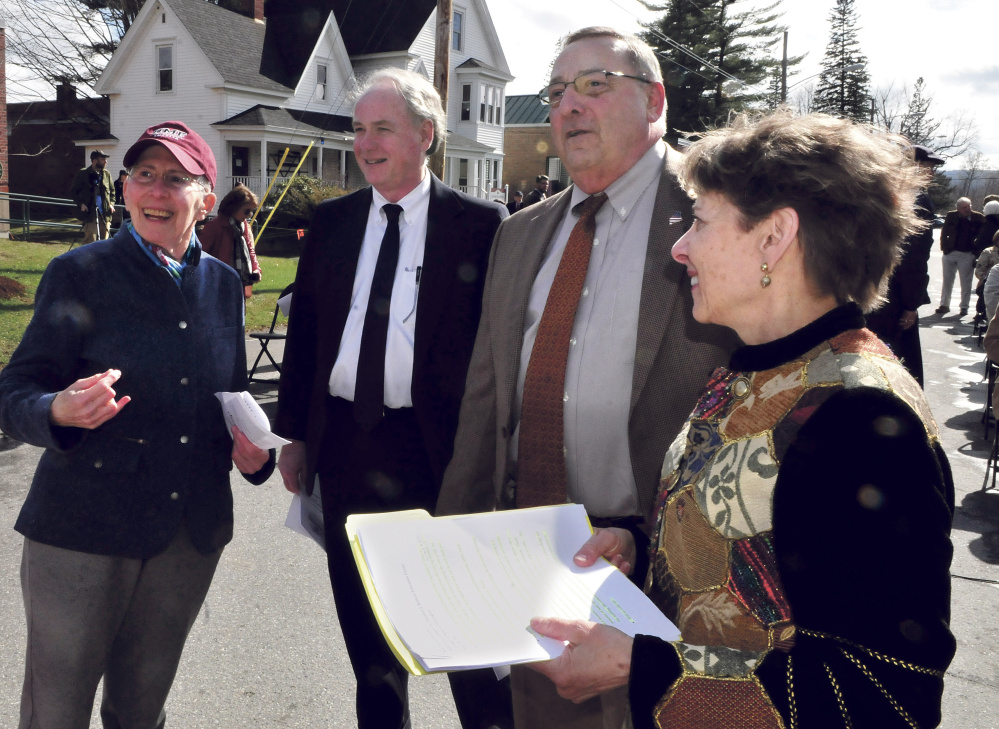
x: 459, y: 592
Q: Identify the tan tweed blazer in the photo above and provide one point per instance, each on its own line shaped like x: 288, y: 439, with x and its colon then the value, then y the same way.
x: 674, y: 358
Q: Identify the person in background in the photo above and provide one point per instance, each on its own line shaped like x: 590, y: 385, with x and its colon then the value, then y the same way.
x: 957, y: 240
x: 517, y: 203
x: 93, y: 193
x: 990, y: 287
x: 229, y: 238
x: 539, y: 193
x: 120, y: 212
x: 130, y: 506
x: 896, y: 321
x: 802, y: 542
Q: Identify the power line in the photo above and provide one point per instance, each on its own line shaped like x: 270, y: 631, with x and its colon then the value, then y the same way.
x: 683, y: 49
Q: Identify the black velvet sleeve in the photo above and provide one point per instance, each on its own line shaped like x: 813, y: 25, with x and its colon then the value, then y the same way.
x: 655, y: 665
x: 861, y: 522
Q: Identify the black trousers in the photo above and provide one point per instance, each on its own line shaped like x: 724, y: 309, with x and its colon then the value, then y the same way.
x: 385, y: 469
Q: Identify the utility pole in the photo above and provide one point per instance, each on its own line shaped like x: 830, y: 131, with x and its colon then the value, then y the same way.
x: 783, y: 73
x: 442, y: 68
x: 4, y: 139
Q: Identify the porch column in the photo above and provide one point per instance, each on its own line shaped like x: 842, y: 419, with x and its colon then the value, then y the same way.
x: 263, y: 167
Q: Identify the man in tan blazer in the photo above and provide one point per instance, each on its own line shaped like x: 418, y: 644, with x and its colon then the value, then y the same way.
x: 636, y: 360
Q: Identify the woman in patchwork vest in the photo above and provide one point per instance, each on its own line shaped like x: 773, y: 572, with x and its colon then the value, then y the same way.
x: 802, y: 539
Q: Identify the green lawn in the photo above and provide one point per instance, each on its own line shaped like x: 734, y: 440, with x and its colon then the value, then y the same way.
x: 25, y: 262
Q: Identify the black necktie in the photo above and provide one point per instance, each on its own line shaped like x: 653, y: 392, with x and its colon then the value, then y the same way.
x: 369, y: 389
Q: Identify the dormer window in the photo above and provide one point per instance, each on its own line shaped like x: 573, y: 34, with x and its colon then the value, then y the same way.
x: 321, y: 82
x: 164, y: 68
x: 457, y: 30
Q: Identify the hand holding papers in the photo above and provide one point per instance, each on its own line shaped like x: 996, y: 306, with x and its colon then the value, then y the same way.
x: 241, y: 410
x: 459, y: 592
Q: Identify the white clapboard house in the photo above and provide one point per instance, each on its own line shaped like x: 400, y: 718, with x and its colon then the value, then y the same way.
x: 254, y: 83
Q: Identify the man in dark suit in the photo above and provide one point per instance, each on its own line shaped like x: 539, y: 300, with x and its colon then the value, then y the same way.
x: 517, y: 203
x: 539, y: 193
x: 957, y: 241
x: 383, y: 319
x: 627, y: 359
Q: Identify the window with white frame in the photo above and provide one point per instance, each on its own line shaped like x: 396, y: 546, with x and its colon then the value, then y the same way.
x: 490, y: 108
x: 164, y: 68
x: 482, y: 102
x: 458, y: 30
x: 321, y: 82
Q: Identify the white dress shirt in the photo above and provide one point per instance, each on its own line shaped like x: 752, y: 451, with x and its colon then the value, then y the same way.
x: 601, y: 361
x: 402, y: 312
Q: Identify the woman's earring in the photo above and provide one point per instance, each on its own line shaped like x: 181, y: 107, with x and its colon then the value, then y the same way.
x: 765, y: 281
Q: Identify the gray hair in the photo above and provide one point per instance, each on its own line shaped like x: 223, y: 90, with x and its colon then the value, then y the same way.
x: 638, y: 52
x: 421, y: 98
x: 964, y: 200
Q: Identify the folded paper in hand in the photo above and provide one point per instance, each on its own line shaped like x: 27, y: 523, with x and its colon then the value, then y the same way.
x: 458, y: 592
x: 241, y: 410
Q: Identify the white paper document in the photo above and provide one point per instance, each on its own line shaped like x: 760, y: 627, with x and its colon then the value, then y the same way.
x: 460, y: 591
x: 305, y: 515
x: 284, y: 304
x: 241, y: 410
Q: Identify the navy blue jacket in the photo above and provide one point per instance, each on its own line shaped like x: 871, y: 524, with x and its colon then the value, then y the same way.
x: 124, y: 488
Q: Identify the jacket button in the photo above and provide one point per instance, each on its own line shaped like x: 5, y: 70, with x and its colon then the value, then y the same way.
x: 98, y: 463
x: 183, y: 380
x: 183, y: 439
x: 183, y: 325
x: 174, y: 496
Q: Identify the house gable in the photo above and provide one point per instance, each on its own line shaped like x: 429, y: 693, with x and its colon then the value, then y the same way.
x: 330, y: 52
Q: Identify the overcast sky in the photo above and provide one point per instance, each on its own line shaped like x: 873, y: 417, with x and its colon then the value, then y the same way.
x: 951, y: 43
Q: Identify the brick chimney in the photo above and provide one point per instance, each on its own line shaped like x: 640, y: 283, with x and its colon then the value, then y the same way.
x: 254, y: 9
x: 66, y: 97
x: 4, y: 138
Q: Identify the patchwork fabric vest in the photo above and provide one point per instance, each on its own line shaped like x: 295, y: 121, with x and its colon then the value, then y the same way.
x: 714, y: 571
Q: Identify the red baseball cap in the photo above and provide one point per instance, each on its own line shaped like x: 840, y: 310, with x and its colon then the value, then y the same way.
x: 184, y: 143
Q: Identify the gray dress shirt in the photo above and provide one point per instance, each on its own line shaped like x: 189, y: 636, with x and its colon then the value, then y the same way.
x: 598, y: 378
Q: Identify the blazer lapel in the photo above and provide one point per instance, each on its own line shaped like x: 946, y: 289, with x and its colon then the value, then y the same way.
x: 342, y: 248
x: 663, y: 276
x: 440, y: 259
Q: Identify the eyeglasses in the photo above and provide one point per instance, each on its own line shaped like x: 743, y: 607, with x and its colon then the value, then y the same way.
x: 172, y: 180
x: 591, y: 83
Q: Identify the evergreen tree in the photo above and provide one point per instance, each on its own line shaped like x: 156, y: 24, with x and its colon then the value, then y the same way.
x: 701, y: 45
x: 842, y: 92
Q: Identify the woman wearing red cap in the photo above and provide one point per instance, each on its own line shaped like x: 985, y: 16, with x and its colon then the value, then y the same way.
x: 130, y: 506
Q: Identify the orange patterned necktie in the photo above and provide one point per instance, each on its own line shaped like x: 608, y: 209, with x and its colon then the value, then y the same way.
x: 541, y: 475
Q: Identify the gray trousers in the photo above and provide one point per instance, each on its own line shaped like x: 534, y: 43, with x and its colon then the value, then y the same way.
x: 91, y: 615
x: 962, y: 264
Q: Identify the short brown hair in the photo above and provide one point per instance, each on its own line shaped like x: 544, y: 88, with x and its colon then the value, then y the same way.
x: 853, y: 188
x: 239, y: 196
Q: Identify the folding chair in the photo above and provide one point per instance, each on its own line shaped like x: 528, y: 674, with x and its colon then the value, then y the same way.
x: 992, y: 464
x: 991, y: 369
x: 265, y: 338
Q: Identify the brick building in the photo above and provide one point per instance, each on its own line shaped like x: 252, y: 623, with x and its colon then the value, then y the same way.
x: 528, y: 147
x: 44, y: 137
